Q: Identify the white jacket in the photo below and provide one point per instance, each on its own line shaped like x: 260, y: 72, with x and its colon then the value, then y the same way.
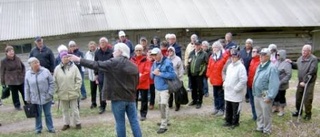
x: 90, y: 56
x: 235, y: 84
x: 189, y: 48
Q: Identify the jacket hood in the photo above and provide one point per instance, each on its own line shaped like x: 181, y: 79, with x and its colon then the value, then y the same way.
x: 282, y: 54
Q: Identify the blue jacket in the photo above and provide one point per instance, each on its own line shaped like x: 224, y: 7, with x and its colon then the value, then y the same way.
x: 230, y: 45
x: 166, y: 72
x: 177, y: 49
x: 266, y: 79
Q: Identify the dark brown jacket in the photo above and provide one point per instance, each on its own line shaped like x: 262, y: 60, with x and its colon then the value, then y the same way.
x: 12, y: 71
x: 121, y: 78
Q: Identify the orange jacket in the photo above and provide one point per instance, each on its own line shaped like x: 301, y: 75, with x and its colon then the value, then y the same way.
x: 215, y: 67
x: 255, y: 61
x: 144, y: 66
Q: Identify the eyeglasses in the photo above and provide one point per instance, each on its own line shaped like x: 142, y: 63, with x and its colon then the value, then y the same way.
x: 138, y: 50
x: 254, y: 51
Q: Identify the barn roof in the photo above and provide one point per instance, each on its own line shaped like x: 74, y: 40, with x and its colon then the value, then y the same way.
x: 20, y: 19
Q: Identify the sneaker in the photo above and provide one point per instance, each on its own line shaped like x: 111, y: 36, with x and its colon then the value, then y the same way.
x: 18, y: 108
x: 143, y: 118
x: 192, y: 103
x: 267, y: 132
x: 78, y: 126
x: 159, y: 124
x: 151, y: 107
x: 280, y: 114
x: 162, y: 130
x: 220, y: 113
x: 52, y: 131
x: 102, y: 110
x: 215, y: 111
x: 307, y: 117
x: 65, y: 127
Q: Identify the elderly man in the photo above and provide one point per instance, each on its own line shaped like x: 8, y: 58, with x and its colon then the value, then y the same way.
x: 206, y: 47
x: 229, y: 43
x: 173, y: 43
x: 245, y: 55
x: 265, y: 88
x: 74, y: 49
x: 121, y: 89
x: 102, y: 54
x: 307, y: 66
x: 161, y: 70
x: 125, y: 40
x: 190, y: 47
x: 43, y: 54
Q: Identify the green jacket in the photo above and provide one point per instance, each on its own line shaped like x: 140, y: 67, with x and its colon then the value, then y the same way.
x: 198, y: 64
x: 67, y: 81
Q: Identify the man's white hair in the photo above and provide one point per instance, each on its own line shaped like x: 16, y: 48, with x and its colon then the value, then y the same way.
x: 62, y: 48
x: 217, y: 44
x: 103, y: 39
x: 32, y: 59
x: 194, y: 36
x: 173, y: 36
x: 249, y: 41
x: 167, y: 36
x: 206, y: 43
x: 125, y: 51
x: 308, y: 46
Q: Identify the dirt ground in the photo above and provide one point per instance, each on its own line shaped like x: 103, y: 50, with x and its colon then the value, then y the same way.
x: 28, y: 124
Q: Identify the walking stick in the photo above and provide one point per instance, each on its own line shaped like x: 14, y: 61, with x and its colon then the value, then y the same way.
x: 303, y: 96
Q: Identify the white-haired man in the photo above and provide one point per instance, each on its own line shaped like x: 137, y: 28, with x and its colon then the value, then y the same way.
x: 246, y: 56
x: 121, y: 92
x: 102, y: 54
x: 173, y: 43
x: 307, y: 65
x: 228, y: 40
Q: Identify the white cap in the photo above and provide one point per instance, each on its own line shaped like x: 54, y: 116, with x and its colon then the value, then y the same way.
x: 272, y: 46
x: 155, y: 51
x: 71, y: 43
x: 265, y: 51
x: 121, y: 33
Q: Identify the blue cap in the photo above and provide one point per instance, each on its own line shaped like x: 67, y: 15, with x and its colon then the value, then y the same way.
x: 38, y: 38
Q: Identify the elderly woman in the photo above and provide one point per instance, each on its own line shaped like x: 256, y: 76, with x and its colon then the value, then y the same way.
x: 68, y: 82
x: 12, y: 73
x: 214, y: 72
x: 39, y: 90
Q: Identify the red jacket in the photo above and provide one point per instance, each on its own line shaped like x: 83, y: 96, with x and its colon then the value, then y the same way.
x: 255, y: 61
x: 144, y: 66
x: 215, y: 67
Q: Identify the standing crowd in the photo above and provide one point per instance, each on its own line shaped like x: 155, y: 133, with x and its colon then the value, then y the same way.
x: 125, y: 74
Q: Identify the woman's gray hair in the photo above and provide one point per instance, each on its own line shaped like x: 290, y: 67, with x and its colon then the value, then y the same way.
x: 206, y: 43
x: 249, y: 41
x: 32, y: 59
x: 217, y: 44
x: 103, y: 39
x: 125, y: 51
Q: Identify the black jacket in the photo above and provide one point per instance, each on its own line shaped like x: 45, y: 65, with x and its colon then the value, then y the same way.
x: 45, y: 56
x: 102, y: 56
x: 121, y: 78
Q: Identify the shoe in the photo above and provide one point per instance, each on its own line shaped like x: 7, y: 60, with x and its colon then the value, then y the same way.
x: 143, y: 118
x: 177, y: 109
x: 65, y: 127
x: 93, y: 106
x: 226, y: 124
x: 52, y: 131
x: 215, y: 111
x: 159, y: 124
x: 192, y: 103
x: 102, y: 110
x: 220, y: 113
x: 0, y: 102
x: 162, y: 130
x: 234, y: 126
x: 151, y: 107
x: 275, y: 109
x: 198, y: 106
x: 295, y: 114
x: 267, y: 133
x: 258, y: 130
x: 280, y: 114
x: 38, y: 132
x: 0, y: 124
x: 18, y: 108
x: 83, y: 98
x: 78, y: 126
x: 206, y: 95
x: 247, y: 100
x: 307, y: 117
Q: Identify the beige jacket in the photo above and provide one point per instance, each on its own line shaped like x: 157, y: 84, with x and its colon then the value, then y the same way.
x: 189, y: 48
x: 67, y: 81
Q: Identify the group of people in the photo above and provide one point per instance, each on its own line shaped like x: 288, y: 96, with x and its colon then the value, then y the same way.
x: 125, y: 73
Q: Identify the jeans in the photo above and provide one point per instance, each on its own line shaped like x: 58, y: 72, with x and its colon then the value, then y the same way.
x: 218, y: 96
x: 47, y: 113
x: 15, y: 89
x: 83, y: 89
x: 251, y: 98
x: 119, y: 109
x: 144, y: 101
x: 93, y: 88
x: 205, y: 85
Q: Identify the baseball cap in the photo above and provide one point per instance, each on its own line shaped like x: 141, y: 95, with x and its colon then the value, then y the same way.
x: 38, y: 38
x: 155, y: 51
x: 143, y: 38
x: 198, y: 42
x: 265, y: 51
x: 121, y: 33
